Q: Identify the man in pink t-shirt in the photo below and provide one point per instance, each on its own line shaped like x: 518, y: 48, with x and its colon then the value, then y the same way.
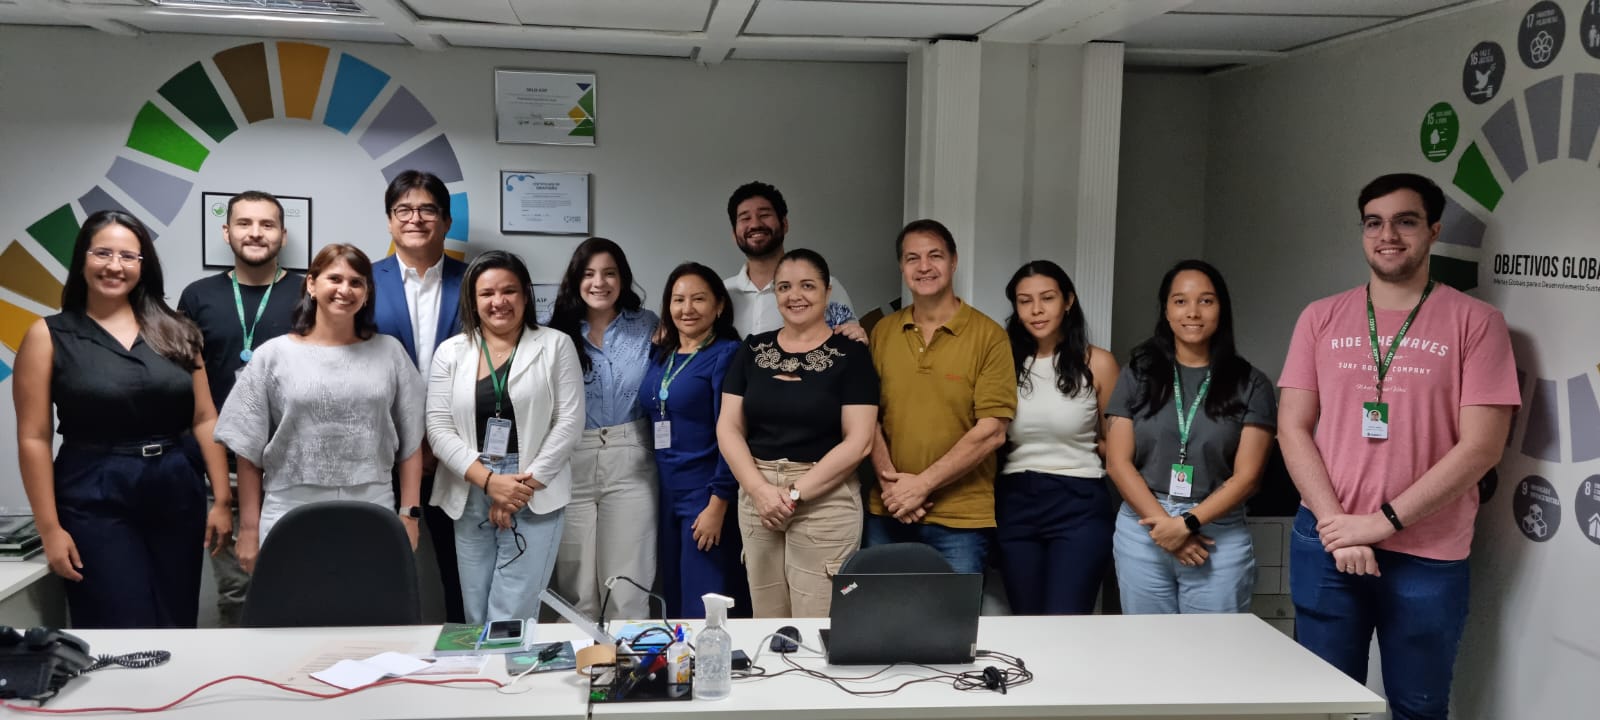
x: 1397, y: 398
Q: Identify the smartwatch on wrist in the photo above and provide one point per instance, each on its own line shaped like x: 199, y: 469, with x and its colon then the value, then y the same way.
x: 1394, y: 519
x: 1191, y: 522
x: 411, y: 511
x: 794, y: 494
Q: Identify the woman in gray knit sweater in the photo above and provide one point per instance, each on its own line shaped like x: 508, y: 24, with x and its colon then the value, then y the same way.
x: 326, y: 411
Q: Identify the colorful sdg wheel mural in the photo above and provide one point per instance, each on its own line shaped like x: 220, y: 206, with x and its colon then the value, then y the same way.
x: 161, y: 160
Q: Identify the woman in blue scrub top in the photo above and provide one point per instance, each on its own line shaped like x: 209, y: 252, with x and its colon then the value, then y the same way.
x: 698, y: 539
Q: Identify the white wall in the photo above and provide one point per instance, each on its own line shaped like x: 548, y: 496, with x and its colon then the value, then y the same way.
x: 1161, y: 212
x: 674, y: 140
x: 1290, y: 144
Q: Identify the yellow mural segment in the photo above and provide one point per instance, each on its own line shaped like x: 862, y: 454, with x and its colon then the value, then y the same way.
x: 301, y: 67
x: 14, y: 324
x: 22, y: 274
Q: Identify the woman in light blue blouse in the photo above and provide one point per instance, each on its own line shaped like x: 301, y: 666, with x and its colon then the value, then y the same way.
x: 611, y: 520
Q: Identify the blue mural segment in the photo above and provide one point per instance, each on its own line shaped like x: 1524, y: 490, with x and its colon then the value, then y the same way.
x: 458, y: 217
x: 355, y: 86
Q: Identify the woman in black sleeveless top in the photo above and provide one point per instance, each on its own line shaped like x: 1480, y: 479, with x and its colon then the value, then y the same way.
x: 121, y: 507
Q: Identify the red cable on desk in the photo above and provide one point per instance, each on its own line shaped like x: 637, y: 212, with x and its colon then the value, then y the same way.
x: 219, y: 681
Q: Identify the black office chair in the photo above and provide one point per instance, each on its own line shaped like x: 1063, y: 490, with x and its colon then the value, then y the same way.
x: 906, y: 557
x: 333, y: 564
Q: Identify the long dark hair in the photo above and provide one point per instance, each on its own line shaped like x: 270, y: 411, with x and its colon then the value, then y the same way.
x: 305, y: 311
x: 163, y: 329
x: 495, y: 260
x: 570, y: 310
x: 1154, y: 359
x: 1072, y: 352
x: 721, y: 328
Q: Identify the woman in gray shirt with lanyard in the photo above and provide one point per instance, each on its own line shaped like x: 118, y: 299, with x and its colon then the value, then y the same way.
x: 1191, y: 424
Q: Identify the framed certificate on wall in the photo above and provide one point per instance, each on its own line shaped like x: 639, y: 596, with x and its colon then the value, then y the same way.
x: 544, y: 203
x: 544, y: 107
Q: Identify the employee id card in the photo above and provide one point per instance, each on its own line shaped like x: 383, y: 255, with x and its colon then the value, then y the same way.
x: 663, y: 434
x: 1182, y: 482
x: 1375, y: 420
x: 497, y: 437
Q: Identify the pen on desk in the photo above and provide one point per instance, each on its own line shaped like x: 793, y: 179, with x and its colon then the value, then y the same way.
x: 482, y: 635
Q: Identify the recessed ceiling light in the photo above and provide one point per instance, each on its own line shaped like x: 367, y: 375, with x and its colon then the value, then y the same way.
x: 343, y: 8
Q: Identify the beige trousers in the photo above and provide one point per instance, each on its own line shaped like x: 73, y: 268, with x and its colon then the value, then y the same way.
x: 791, y: 569
x: 611, y: 522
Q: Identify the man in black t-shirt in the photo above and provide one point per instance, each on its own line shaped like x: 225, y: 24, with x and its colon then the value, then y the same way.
x: 237, y: 311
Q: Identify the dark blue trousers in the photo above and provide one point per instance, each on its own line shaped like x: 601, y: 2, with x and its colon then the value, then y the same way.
x: 139, y: 525
x: 1417, y: 607
x: 687, y: 572
x: 1054, y: 534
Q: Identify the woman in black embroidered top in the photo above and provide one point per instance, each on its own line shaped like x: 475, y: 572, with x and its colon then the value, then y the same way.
x: 799, y: 409
x: 121, y: 507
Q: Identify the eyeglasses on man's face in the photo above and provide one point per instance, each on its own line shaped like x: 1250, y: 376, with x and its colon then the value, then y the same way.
x: 405, y: 213
x: 105, y: 256
x: 1407, y: 225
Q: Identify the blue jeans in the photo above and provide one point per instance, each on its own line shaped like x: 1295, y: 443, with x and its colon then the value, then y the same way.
x: 965, y: 549
x: 1154, y: 582
x: 1417, y: 606
x: 499, y: 579
x: 1054, y: 534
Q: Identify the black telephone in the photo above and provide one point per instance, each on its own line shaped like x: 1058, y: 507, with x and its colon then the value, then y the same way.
x: 36, y: 664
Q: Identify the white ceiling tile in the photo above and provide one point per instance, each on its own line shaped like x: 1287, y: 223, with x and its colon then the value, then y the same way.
x: 641, y: 46
x: 108, y: 2
x: 1005, y: 3
x: 1385, y: 8
x: 668, y: 15
x: 872, y: 19
x: 822, y: 54
x: 1238, y: 32
x: 489, y: 11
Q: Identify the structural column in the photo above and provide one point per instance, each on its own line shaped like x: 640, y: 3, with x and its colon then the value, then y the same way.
x: 942, y: 143
x: 1100, y: 142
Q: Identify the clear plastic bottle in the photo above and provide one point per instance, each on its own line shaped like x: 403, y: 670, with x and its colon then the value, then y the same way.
x: 713, y: 651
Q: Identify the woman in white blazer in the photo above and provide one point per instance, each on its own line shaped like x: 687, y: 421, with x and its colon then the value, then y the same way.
x: 505, y: 411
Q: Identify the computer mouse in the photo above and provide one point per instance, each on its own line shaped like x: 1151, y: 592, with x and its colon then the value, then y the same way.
x: 786, y: 640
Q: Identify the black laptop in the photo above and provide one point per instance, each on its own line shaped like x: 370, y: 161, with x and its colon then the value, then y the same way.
x: 929, y: 618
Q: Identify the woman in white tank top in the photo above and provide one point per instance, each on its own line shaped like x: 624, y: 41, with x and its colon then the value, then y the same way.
x: 1053, y: 510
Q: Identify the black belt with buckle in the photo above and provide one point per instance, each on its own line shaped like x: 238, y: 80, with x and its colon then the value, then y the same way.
x: 149, y: 447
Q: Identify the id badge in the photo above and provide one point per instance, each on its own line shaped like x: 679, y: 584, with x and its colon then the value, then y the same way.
x: 663, y: 434
x: 1182, y: 482
x: 497, y: 437
x: 1375, y: 420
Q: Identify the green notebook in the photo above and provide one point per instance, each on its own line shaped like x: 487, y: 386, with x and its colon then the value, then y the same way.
x: 468, y: 639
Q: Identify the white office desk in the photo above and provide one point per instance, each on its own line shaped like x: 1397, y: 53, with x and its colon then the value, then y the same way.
x: 1169, y: 666
x: 199, y: 656
x: 30, y: 595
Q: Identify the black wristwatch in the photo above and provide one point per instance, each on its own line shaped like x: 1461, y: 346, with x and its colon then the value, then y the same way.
x: 1191, y: 522
x: 411, y: 511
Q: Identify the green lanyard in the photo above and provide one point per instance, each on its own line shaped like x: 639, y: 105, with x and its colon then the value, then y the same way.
x: 250, y: 328
x: 495, y: 378
x: 1372, y: 329
x: 1185, y: 421
x: 670, y: 375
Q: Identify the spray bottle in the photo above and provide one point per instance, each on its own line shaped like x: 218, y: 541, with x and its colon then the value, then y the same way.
x: 713, y: 663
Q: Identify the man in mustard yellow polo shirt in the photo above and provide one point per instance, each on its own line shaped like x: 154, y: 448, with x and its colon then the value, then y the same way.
x: 948, y: 391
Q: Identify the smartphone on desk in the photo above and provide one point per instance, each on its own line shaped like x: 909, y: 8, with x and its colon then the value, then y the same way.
x: 504, y: 634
